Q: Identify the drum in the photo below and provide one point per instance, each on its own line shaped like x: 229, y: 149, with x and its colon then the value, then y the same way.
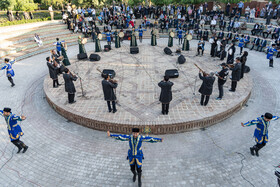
x: 99, y: 36
x: 211, y: 40
x: 121, y: 34
x: 230, y: 51
x: 136, y: 33
x: 84, y: 41
x: 189, y: 37
x: 65, y: 46
x: 172, y: 34
x: 156, y: 32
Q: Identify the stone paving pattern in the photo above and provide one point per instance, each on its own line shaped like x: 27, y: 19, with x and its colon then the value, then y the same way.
x: 63, y: 153
x: 138, y: 92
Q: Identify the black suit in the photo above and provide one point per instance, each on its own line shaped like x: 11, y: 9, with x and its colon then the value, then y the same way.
x: 235, y: 76
x: 109, y: 94
x: 165, y: 95
x: 69, y: 86
x: 206, y: 88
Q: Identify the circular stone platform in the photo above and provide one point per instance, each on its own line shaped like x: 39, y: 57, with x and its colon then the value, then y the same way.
x: 138, y: 92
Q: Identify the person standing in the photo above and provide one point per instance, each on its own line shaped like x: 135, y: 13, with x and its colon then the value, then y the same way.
x: 51, y: 12
x: 186, y: 44
x: 231, y: 51
x: 97, y: 43
x: 165, y: 94
x: 117, y: 40
x: 65, y: 61
x: 109, y: 94
x: 180, y: 35
x: 9, y: 70
x: 206, y: 87
x: 222, y: 78
x: 140, y: 31
x: 236, y: 73
x: 81, y: 46
x: 135, y: 152
x: 154, y: 38
x: 213, y: 47
x: 170, y: 39
x: 58, y: 46
x: 69, y: 85
x: 241, y: 43
x: 14, y: 129
x: 133, y: 41
x: 261, y: 132
x: 243, y: 62
x: 53, y: 72
x: 270, y: 53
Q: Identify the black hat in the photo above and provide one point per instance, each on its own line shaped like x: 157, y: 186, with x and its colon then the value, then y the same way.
x: 223, y: 64
x: 268, y: 115
x: 7, y: 110
x: 135, y: 130
x: 7, y: 60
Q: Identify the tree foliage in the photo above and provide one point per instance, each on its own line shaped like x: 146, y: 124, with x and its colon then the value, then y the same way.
x: 24, y: 5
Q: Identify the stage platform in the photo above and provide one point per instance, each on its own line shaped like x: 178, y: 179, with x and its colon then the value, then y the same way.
x: 138, y: 92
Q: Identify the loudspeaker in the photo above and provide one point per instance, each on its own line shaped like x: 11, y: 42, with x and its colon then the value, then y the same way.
x: 172, y: 73
x: 107, y: 46
x: 94, y: 57
x: 167, y: 51
x: 110, y: 72
x: 82, y: 56
x: 181, y: 59
x: 134, y: 50
x: 246, y: 69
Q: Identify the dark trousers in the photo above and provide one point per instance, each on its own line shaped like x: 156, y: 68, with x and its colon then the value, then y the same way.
x: 55, y: 83
x: 180, y: 41
x: 109, y: 106
x: 58, y: 52
x: 140, y: 38
x: 233, y: 85
x: 271, y: 63
x: 19, y: 144
x: 221, y: 90
x: 11, y: 80
x: 241, y: 49
x: 202, y: 102
x: 252, y: 46
x: 135, y: 166
x: 165, y: 108
x: 71, y: 97
x: 198, y: 50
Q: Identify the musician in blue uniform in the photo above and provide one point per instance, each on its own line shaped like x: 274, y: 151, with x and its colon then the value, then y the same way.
x: 135, y: 153
x: 14, y: 128
x: 58, y: 46
x: 9, y: 70
x: 180, y: 35
x: 241, y: 43
x: 140, y: 31
x: 108, y: 36
x: 270, y: 52
x: 261, y: 132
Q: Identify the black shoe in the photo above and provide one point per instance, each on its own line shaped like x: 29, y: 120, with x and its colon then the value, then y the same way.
x: 257, y: 152
x: 19, y: 149
x: 162, y: 112
x: 110, y: 110
x: 114, y: 111
x: 252, y: 151
x: 25, y: 149
x: 134, y: 177
x: 231, y: 90
x: 12, y: 85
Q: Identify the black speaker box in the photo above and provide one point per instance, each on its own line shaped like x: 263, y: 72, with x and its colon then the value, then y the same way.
x: 134, y: 50
x: 82, y: 56
x: 94, y: 57
x: 181, y: 59
x: 110, y: 72
x: 167, y: 51
x: 107, y: 46
x: 246, y: 69
x: 172, y: 73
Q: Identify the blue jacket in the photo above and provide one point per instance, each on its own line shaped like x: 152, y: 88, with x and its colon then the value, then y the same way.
x: 270, y: 53
x: 261, y: 131
x: 135, y: 153
x: 9, y: 69
x: 13, y: 127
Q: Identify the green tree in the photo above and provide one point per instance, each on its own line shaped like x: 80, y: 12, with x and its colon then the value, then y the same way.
x: 7, y: 4
x: 25, y: 5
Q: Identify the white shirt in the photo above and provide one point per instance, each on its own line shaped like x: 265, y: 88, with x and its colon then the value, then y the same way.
x: 213, y: 22
x: 50, y: 9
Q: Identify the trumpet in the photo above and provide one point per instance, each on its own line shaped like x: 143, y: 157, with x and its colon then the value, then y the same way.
x: 110, y: 80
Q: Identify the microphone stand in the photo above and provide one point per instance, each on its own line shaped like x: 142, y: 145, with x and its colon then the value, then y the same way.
x: 81, y: 82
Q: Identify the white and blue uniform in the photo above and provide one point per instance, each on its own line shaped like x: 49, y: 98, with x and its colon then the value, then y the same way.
x: 9, y: 69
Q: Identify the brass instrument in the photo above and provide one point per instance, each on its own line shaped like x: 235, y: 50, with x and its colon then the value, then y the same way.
x: 110, y: 80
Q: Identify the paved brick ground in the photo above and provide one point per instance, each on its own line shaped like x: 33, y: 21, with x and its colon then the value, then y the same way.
x: 138, y: 92
x: 66, y: 154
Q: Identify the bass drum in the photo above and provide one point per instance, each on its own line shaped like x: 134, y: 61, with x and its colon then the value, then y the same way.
x: 121, y: 34
x: 189, y: 37
x: 172, y: 34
